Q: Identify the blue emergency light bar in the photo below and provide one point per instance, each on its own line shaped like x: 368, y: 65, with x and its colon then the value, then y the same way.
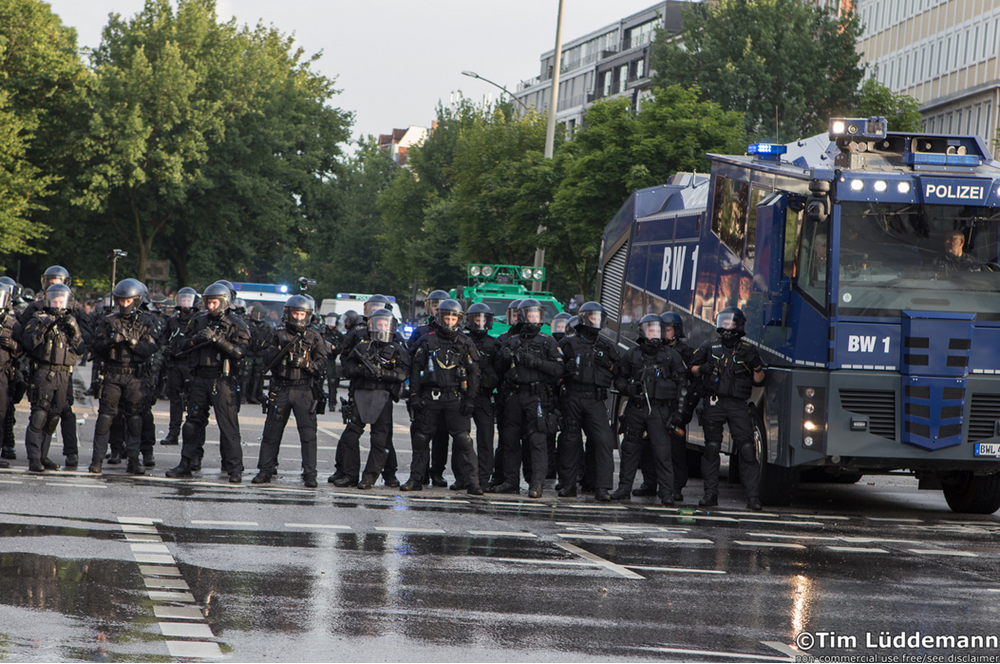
x: 260, y: 288
x: 938, y: 159
x: 767, y: 151
x: 361, y: 297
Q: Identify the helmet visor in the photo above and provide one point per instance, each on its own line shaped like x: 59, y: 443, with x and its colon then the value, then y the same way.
x: 726, y: 321
x: 381, y: 326
x: 559, y: 325
x: 652, y: 330
x: 593, y: 319
x: 479, y: 321
x: 531, y: 315
x: 185, y: 300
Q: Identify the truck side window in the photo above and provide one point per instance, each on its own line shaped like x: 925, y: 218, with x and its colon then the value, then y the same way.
x: 793, y: 224
x: 813, y: 259
x: 757, y: 194
x: 729, y: 212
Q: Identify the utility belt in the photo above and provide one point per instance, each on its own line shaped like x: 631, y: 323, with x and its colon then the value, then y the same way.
x: 57, y: 368
x: 111, y: 369
x: 284, y: 382
x: 207, y: 372
x: 538, y: 388
x: 441, y: 394
x: 588, y: 392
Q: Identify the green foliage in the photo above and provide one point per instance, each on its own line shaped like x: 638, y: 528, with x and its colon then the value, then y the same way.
x: 902, y: 112
x: 786, y: 65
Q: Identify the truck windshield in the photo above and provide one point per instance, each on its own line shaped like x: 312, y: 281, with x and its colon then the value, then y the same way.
x: 896, y: 257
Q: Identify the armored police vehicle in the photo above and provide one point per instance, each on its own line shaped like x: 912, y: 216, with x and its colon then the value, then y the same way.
x: 866, y: 264
x: 499, y: 285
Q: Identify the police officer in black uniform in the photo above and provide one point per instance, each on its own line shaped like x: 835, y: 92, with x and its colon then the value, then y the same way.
x: 590, y: 360
x: 10, y: 350
x: 502, y: 396
x: 558, y: 325
x: 654, y: 378
x: 178, y: 366
x: 16, y: 381
x: 730, y: 367
x: 124, y: 341
x: 444, y: 380
x: 439, y: 444
x: 218, y: 339
x: 431, y: 303
x: 377, y: 365
x: 479, y: 321
x: 532, y: 365
x: 334, y: 343
x: 294, y: 355
x: 260, y: 332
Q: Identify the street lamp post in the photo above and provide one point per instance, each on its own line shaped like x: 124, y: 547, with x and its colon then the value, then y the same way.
x: 472, y: 74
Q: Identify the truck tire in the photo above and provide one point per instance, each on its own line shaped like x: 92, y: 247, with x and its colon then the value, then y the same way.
x: 777, y: 483
x: 967, y: 493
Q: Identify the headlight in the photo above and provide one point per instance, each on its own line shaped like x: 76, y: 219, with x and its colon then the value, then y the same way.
x: 487, y: 271
x: 838, y: 127
x: 880, y: 186
x: 526, y: 273
x: 810, y: 408
x: 538, y: 274
x: 475, y: 271
x: 808, y: 441
x: 903, y: 187
x: 857, y: 185
x: 809, y: 426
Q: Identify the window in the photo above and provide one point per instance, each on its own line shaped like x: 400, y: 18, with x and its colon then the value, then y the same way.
x: 757, y: 194
x: 730, y: 212
x: 930, y: 60
x: 606, y: 87
x: 793, y: 224
x: 975, y: 45
x: 979, y: 117
x: 965, y: 51
x: 640, y: 68
x: 622, y: 78
x: 947, y: 56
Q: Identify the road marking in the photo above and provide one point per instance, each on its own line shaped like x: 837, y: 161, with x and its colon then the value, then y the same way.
x: 532, y: 561
x: 132, y: 537
x: 841, y: 538
x: 167, y: 596
x: 780, y: 545
x: 680, y: 540
x: 362, y: 495
x: 736, y: 513
x: 458, y: 501
x: 151, y: 558
x: 891, y: 520
x: 937, y: 552
x: 186, y: 630
x: 697, y: 517
x: 316, y: 525
x: 590, y: 506
x: 388, y: 529
x: 11, y: 482
x: 717, y: 653
x: 617, y: 569
x: 224, y: 523
x: 194, y: 649
x: 782, y: 523
x: 504, y: 503
x: 139, y: 521
x: 178, y: 612
x: 279, y: 489
x: 608, y: 538
x: 500, y: 533
x: 150, y: 548
x: 139, y: 529
x: 818, y: 516
x: 158, y: 570
x: 856, y: 549
x: 682, y: 570
x: 162, y: 584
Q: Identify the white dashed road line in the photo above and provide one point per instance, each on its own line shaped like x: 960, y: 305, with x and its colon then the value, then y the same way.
x: 501, y: 533
x: 778, y: 545
x: 252, y: 524
x: 387, y: 529
x: 617, y: 569
x: 316, y: 525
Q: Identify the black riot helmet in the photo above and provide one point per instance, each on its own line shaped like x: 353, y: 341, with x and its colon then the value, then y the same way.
x: 187, y: 299
x: 512, y: 308
x: 232, y: 289
x: 381, y: 326
x: 56, y: 274
x: 15, y: 290
x: 376, y: 302
x: 58, y: 299
x: 350, y: 319
x: 157, y: 302
x: 531, y: 315
x: 220, y: 293
x: 731, y: 325
x: 169, y: 306
x: 479, y: 318
x: 128, y: 289
x: 559, y: 323
x: 5, y: 298
x: 571, y: 325
x: 331, y: 320
x: 297, y: 303
x: 433, y: 300
x: 449, y: 309
x: 144, y: 300
x: 240, y: 306
x: 651, y: 329
x: 673, y: 319
x: 591, y: 318
x: 257, y: 314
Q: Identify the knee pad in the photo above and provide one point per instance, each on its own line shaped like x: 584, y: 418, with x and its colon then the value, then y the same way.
x: 748, y: 451
x: 713, y: 430
x: 103, y: 426
x: 198, y: 415
x: 189, y: 429
x: 134, y: 423
x: 464, y: 441
x: 713, y: 447
x: 356, y: 427
x: 52, y: 423
x: 39, y: 420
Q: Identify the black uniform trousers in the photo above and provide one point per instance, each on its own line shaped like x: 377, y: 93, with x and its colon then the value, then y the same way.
x: 483, y: 416
x: 439, y: 451
x: 584, y: 411
x: 67, y: 424
x: 526, y: 421
x: 444, y: 412
x: 349, y: 445
x: 679, y: 454
x: 294, y: 397
x: 178, y: 384
x: 221, y: 394
x: 49, y: 386
x: 642, y: 418
x: 119, y: 391
x: 735, y: 413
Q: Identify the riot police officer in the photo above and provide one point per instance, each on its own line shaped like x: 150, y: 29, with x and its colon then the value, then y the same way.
x: 377, y: 365
x: 17, y: 383
x: 590, y: 360
x: 653, y: 376
x: 260, y: 331
x: 730, y: 368
x: 178, y: 366
x: 558, y: 325
x: 479, y: 321
x: 218, y: 340
x: 444, y: 380
x: 10, y: 330
x: 334, y: 342
x: 531, y: 363
x: 510, y: 318
x: 431, y: 303
x: 125, y: 340
x: 294, y: 355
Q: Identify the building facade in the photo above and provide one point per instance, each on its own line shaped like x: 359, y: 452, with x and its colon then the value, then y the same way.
x: 612, y: 61
x: 398, y: 143
x: 943, y: 53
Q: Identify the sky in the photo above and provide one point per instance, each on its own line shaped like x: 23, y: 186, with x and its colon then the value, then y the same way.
x: 394, y: 60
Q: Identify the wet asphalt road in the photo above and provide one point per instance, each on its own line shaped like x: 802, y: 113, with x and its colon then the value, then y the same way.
x: 116, y: 568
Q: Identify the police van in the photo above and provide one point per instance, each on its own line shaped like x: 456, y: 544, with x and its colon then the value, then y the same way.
x: 866, y: 264
x: 345, y: 302
x: 270, y: 297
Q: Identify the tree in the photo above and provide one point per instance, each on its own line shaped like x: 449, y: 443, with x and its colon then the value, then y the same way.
x: 42, y: 83
x: 618, y: 151
x: 902, y: 112
x: 786, y: 65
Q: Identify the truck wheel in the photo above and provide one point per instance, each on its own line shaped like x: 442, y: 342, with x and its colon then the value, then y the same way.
x: 777, y: 483
x: 972, y: 494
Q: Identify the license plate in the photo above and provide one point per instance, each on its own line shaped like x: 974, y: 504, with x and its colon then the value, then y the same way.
x: 987, y: 449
